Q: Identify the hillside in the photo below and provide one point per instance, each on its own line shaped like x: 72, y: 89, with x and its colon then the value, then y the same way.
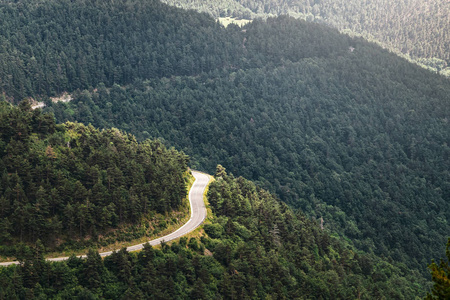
x: 49, y: 47
x: 255, y: 247
x: 418, y: 28
x: 67, y: 184
x: 334, y: 125
x: 359, y: 137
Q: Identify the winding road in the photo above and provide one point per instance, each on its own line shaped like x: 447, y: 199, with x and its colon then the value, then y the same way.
x: 198, y: 215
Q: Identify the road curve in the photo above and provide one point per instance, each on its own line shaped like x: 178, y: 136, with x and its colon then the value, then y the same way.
x: 198, y: 215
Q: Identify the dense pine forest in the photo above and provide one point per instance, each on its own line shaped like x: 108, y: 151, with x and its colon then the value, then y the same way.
x: 418, y: 28
x: 337, y: 127
x: 255, y: 248
x: 358, y: 137
x: 48, y: 47
x: 63, y: 183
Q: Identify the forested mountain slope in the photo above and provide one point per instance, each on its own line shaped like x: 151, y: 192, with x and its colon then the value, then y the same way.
x: 418, y: 28
x: 359, y: 137
x: 65, y: 183
x: 334, y: 125
x: 255, y: 248
x: 48, y: 47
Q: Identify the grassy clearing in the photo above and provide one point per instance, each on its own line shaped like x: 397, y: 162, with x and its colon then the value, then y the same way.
x: 228, y: 20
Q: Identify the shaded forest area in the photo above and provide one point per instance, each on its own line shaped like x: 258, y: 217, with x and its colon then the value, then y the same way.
x: 61, y: 183
x: 417, y: 28
x: 256, y: 247
x: 334, y: 125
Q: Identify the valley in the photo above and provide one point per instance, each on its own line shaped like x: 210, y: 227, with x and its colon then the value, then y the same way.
x: 345, y: 144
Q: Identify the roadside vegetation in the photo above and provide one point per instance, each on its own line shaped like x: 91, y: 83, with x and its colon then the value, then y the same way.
x: 254, y: 247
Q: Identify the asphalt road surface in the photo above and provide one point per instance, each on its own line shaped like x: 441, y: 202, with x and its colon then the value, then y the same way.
x: 198, y: 215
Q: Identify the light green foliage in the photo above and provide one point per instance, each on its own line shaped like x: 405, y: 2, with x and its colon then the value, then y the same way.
x: 440, y: 274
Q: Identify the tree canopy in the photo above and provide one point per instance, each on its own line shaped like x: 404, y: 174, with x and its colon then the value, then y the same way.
x: 359, y: 137
x: 66, y: 181
x: 336, y: 126
x: 254, y: 247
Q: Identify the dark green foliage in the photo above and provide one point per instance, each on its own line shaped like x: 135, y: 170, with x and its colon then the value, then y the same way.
x: 359, y: 138
x: 266, y: 252
x: 49, y: 47
x: 61, y: 181
x: 336, y: 126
